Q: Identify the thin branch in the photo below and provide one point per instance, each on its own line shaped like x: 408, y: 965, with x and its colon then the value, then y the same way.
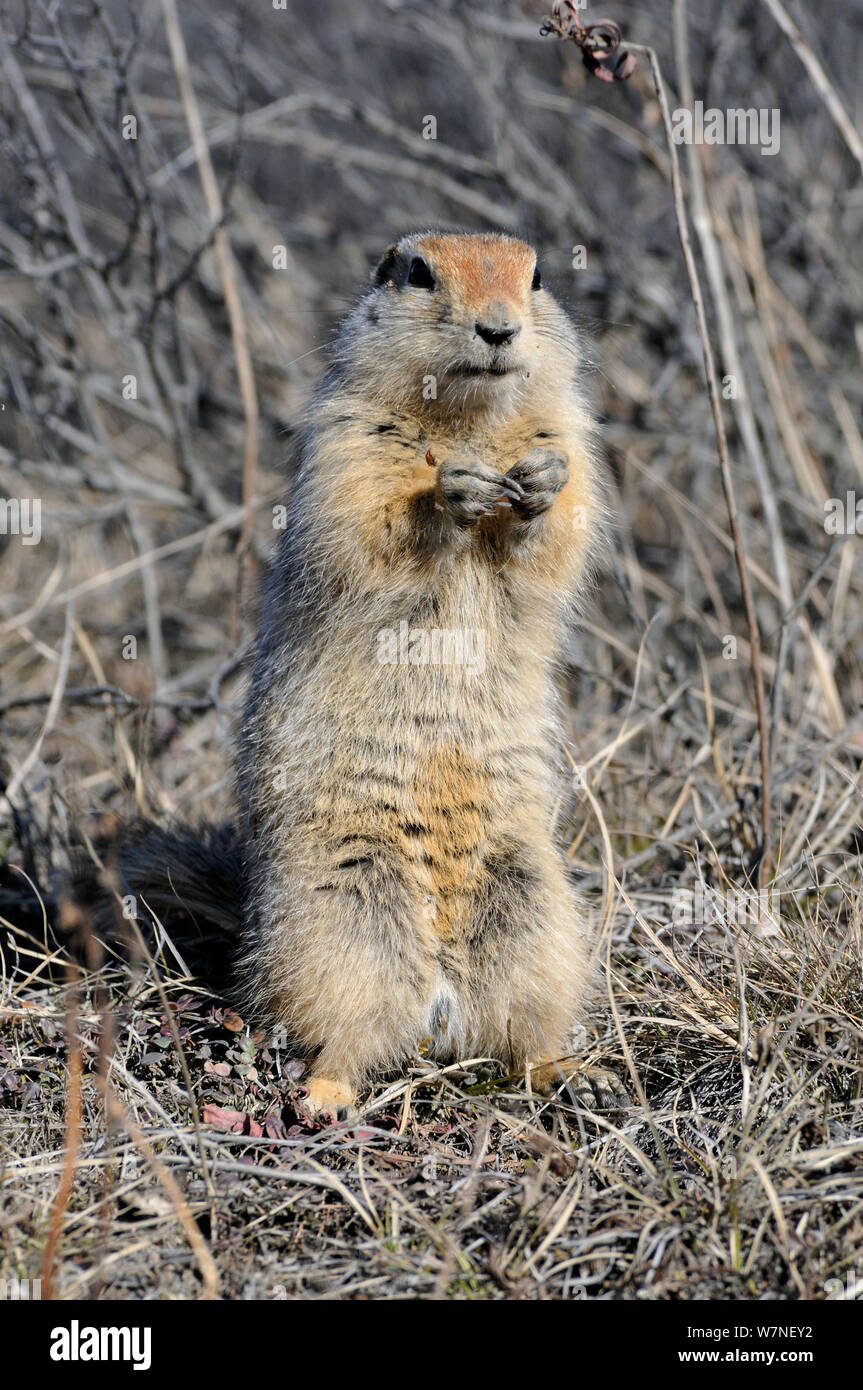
x: 724, y: 463
x: 820, y: 81
x: 741, y: 402
x: 74, y: 1111
x: 225, y: 258
x: 51, y: 715
x: 99, y: 694
x: 98, y: 581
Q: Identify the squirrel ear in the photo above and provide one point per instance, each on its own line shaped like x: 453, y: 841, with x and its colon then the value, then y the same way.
x: 386, y: 265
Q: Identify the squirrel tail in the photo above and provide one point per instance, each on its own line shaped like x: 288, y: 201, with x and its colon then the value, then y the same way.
x: 188, y: 881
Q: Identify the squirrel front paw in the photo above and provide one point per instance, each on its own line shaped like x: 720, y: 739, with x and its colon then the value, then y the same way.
x: 540, y: 474
x: 470, y: 490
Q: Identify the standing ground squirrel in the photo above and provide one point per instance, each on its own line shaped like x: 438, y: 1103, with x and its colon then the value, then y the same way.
x: 397, y: 764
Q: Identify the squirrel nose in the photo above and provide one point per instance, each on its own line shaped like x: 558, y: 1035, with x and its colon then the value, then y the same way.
x: 498, y: 332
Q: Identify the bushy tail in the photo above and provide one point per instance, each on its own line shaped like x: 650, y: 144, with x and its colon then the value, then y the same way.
x: 188, y: 880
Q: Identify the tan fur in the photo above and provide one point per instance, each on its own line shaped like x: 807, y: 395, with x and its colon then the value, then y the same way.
x: 398, y: 813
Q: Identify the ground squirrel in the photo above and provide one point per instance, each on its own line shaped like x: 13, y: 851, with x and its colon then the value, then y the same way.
x: 398, y: 756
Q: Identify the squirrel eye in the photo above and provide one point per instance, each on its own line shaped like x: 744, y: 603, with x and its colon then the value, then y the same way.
x: 536, y: 283
x: 420, y: 275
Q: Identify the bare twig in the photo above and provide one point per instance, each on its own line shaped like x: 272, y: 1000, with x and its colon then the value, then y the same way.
x: 100, y: 695
x: 224, y: 254
x: 741, y: 401
x: 582, y: 37
x: 118, y: 1114
x: 820, y: 81
x: 98, y: 581
x: 51, y: 714
x: 725, y: 468
x: 72, y: 1146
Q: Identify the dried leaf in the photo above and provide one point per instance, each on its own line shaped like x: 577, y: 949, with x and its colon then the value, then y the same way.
x: 236, y: 1121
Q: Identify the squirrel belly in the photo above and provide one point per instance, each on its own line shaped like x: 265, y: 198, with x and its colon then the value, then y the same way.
x: 398, y: 760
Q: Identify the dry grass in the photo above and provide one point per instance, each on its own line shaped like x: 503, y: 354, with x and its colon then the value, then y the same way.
x: 736, y: 1171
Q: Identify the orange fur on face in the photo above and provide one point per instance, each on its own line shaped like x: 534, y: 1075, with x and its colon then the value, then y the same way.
x: 480, y: 269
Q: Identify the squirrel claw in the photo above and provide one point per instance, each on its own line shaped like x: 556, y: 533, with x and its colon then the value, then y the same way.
x: 470, y: 490
x: 541, y: 474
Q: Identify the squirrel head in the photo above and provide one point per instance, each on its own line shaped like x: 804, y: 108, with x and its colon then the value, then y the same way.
x: 459, y: 325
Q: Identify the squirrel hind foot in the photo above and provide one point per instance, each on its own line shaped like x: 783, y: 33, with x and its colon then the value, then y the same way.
x: 594, y: 1088
x: 329, y: 1098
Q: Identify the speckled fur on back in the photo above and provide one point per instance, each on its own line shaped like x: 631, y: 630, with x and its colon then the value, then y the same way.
x: 399, y: 751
